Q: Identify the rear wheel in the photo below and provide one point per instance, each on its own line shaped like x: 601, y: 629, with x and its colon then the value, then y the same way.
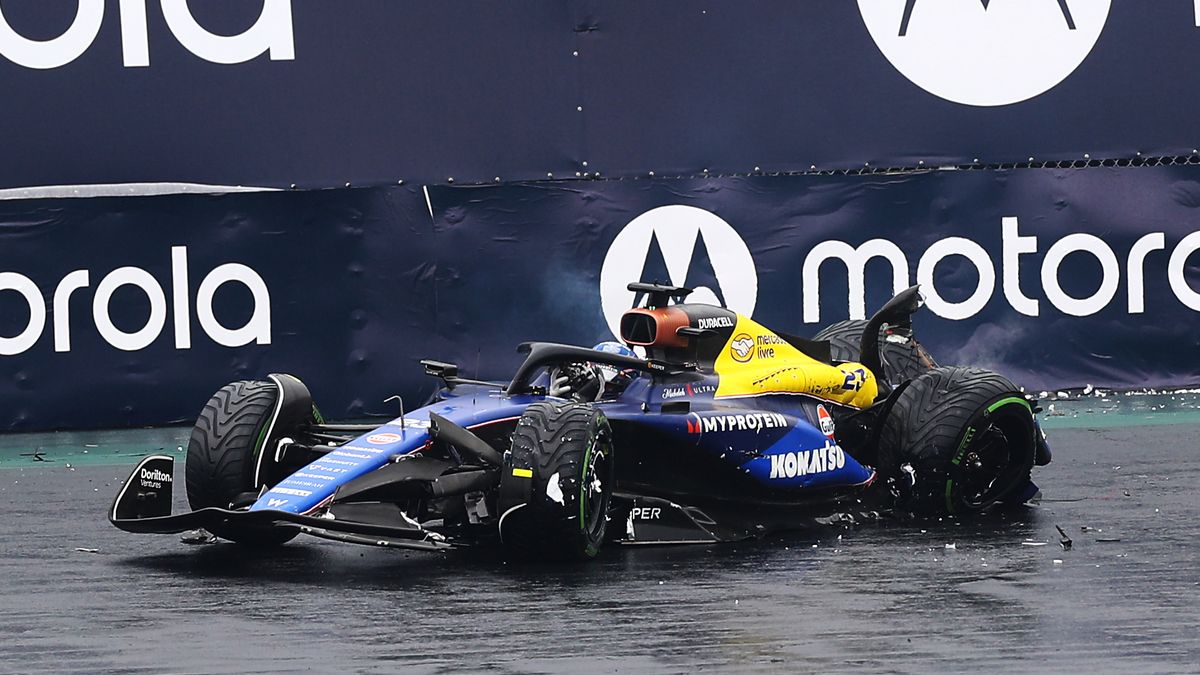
x: 566, y: 454
x: 957, y: 441
x: 903, y: 357
x: 223, y: 453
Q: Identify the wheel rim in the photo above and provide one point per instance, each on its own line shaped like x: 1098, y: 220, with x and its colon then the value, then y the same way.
x: 993, y: 459
x: 982, y: 468
x: 595, y: 489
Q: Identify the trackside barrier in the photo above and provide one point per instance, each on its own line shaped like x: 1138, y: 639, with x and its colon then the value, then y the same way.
x: 133, y: 310
x: 311, y: 93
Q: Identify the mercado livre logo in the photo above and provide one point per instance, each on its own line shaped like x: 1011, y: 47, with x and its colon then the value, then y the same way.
x: 985, y: 52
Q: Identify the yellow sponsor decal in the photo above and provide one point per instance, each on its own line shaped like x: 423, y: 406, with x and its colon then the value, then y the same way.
x: 757, y: 361
x: 523, y: 473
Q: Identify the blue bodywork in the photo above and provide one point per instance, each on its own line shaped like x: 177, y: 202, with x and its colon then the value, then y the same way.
x: 776, y: 440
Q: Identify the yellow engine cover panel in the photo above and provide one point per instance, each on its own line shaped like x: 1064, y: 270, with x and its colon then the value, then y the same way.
x: 757, y: 361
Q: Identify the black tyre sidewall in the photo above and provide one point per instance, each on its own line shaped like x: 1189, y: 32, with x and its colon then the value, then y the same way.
x: 937, y: 459
x: 902, y: 361
x: 557, y: 443
x: 223, y: 451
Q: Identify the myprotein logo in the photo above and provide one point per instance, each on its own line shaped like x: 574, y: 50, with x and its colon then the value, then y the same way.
x: 272, y: 33
x: 985, y: 52
x: 257, y: 329
x: 751, y: 421
x: 682, y: 246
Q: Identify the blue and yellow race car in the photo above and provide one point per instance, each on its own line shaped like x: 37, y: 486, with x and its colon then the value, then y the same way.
x: 716, y: 429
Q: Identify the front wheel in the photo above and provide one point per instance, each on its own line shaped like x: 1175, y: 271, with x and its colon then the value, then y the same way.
x: 957, y: 441
x: 229, y: 456
x: 561, y: 462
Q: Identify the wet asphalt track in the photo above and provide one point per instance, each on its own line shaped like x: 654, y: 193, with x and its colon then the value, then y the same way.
x: 893, y: 597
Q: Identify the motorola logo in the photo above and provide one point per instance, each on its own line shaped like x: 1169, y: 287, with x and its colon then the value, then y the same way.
x: 681, y: 246
x: 272, y: 33
x: 985, y: 52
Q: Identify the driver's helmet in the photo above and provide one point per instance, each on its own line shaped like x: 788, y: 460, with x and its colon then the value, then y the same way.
x: 615, y: 379
x: 592, y: 381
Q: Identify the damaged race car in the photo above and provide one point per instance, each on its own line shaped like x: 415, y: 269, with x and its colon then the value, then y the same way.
x: 723, y: 431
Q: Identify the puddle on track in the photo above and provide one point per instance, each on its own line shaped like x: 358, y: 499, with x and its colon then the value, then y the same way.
x: 881, y: 597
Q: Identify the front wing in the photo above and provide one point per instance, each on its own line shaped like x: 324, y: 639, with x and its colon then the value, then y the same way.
x: 144, y: 506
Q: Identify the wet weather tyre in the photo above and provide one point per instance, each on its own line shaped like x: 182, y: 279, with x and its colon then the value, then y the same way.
x: 565, y: 451
x: 957, y: 441
x: 222, y: 452
x: 903, y: 356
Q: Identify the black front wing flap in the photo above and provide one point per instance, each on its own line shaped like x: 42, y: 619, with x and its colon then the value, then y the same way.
x: 144, y: 506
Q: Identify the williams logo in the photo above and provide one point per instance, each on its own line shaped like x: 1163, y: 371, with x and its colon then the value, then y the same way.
x: 985, y: 52
x: 683, y: 246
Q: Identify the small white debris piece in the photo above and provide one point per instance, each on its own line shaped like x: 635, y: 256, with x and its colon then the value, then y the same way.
x: 951, y: 547
x: 554, y: 490
x: 1088, y: 389
x: 1033, y: 543
x: 1061, y: 394
x: 87, y: 550
x: 197, y: 537
x: 1057, y: 561
x: 90, y: 445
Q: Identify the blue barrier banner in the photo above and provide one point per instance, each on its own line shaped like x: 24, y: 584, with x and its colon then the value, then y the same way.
x: 133, y: 310
x: 1055, y: 277
x: 317, y: 93
x: 129, y: 311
